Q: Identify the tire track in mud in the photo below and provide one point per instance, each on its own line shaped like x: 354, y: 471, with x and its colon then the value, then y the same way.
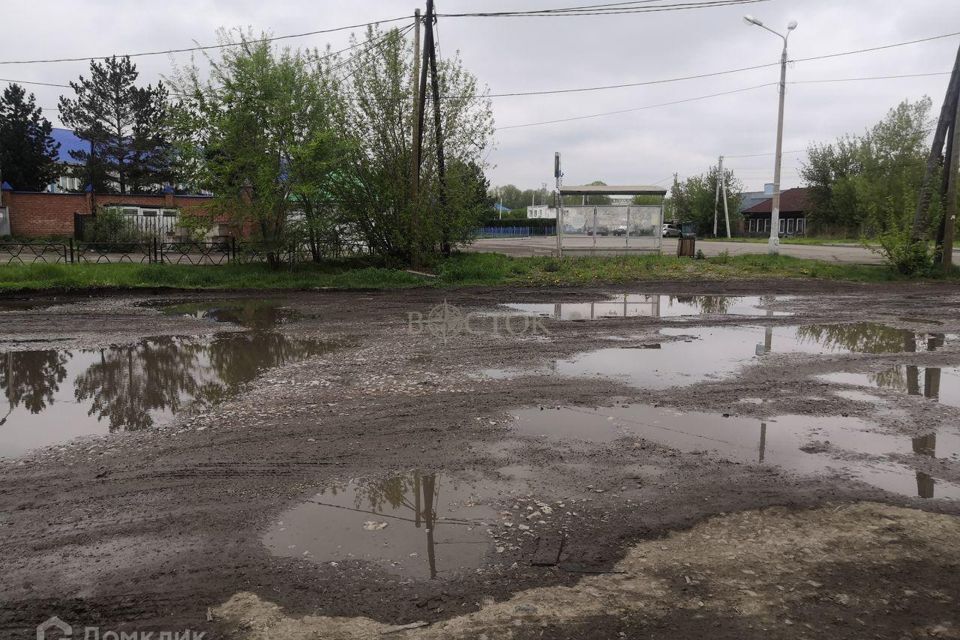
x: 174, y: 526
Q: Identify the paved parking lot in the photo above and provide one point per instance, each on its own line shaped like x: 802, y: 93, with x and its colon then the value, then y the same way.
x: 607, y: 244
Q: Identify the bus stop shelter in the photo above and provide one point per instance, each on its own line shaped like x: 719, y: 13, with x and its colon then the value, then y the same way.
x: 640, y: 225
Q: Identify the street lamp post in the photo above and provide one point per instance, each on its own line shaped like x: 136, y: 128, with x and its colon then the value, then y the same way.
x: 774, y: 246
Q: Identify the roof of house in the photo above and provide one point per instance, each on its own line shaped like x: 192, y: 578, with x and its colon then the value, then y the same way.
x: 69, y: 141
x: 791, y: 201
x: 752, y: 198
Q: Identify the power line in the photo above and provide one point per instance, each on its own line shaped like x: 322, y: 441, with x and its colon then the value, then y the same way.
x: 760, y: 155
x: 712, y: 95
x: 897, y: 77
x: 644, y: 83
x: 651, y: 106
x: 720, y: 73
x: 204, y: 47
x: 588, y: 11
x: 42, y: 84
x: 878, y: 48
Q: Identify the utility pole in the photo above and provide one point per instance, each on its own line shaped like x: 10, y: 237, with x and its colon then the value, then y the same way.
x: 417, y: 117
x: 726, y: 210
x: 721, y: 188
x: 947, y: 114
x: 416, y: 144
x: 558, y: 175
x: 431, y: 50
x: 716, y: 197
x: 774, y: 243
x: 950, y: 211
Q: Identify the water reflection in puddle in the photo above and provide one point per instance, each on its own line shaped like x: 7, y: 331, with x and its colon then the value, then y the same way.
x: 803, y: 444
x: 653, y: 306
x: 54, y: 395
x: 419, y: 525
x: 252, y: 314
x: 934, y: 383
x: 701, y: 353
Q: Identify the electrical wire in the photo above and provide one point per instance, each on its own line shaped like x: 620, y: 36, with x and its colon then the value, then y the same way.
x: 714, y: 95
x: 644, y: 83
x: 760, y: 155
x: 897, y: 77
x: 204, y: 47
x: 588, y: 11
x: 651, y: 106
x: 878, y: 48
x: 722, y: 73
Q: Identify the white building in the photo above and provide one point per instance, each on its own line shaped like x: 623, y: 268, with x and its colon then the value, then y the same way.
x: 541, y: 212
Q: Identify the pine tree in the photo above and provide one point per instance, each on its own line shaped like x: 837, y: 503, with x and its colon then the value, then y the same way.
x: 28, y: 155
x: 126, y: 127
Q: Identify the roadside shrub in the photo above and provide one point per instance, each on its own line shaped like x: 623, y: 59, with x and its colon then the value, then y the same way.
x: 903, y: 254
x: 722, y: 258
x: 110, y: 226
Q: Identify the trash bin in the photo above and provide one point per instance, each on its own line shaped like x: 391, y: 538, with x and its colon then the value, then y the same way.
x: 686, y: 246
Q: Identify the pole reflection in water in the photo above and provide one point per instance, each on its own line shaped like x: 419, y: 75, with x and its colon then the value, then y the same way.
x: 416, y: 524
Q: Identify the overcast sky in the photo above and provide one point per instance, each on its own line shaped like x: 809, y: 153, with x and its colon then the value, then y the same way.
x: 526, y: 54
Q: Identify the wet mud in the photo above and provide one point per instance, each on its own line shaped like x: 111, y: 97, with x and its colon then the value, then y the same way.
x: 740, y: 460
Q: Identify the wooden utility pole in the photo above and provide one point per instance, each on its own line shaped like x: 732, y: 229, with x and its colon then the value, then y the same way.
x: 950, y: 209
x: 947, y: 115
x: 416, y: 140
x: 430, y: 47
x: 416, y: 145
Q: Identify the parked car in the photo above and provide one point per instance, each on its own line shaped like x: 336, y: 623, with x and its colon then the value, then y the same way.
x: 601, y: 231
x: 620, y: 231
x: 671, y: 230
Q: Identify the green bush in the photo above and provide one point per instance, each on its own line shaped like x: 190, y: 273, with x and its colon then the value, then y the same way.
x: 110, y: 226
x: 901, y: 252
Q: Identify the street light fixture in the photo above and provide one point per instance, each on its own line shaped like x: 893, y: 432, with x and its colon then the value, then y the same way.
x: 774, y: 246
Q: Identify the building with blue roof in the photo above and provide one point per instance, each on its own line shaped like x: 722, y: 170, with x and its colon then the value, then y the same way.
x: 69, y: 141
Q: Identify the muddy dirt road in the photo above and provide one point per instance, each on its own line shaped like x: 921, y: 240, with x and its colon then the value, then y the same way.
x: 750, y: 460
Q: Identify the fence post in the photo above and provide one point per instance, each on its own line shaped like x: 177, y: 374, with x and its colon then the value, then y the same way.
x: 71, y: 250
x: 232, y: 256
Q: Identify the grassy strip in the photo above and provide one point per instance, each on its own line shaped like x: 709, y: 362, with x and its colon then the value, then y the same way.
x: 460, y: 270
x: 856, y: 242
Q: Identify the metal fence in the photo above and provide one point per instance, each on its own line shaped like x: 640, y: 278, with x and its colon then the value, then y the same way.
x: 514, y: 232
x: 146, y: 252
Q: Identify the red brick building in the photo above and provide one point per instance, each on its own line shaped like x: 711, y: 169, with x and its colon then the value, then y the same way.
x: 41, y: 215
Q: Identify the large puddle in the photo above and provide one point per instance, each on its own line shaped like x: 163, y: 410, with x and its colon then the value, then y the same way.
x: 810, y: 445
x: 418, y: 525
x: 54, y: 395
x: 939, y: 384
x: 654, y: 306
x: 696, y: 354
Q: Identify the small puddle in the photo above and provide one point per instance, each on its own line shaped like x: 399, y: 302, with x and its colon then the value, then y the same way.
x: 803, y: 444
x: 54, y: 395
x: 418, y: 525
x: 713, y: 352
x: 252, y: 314
x: 654, y: 306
